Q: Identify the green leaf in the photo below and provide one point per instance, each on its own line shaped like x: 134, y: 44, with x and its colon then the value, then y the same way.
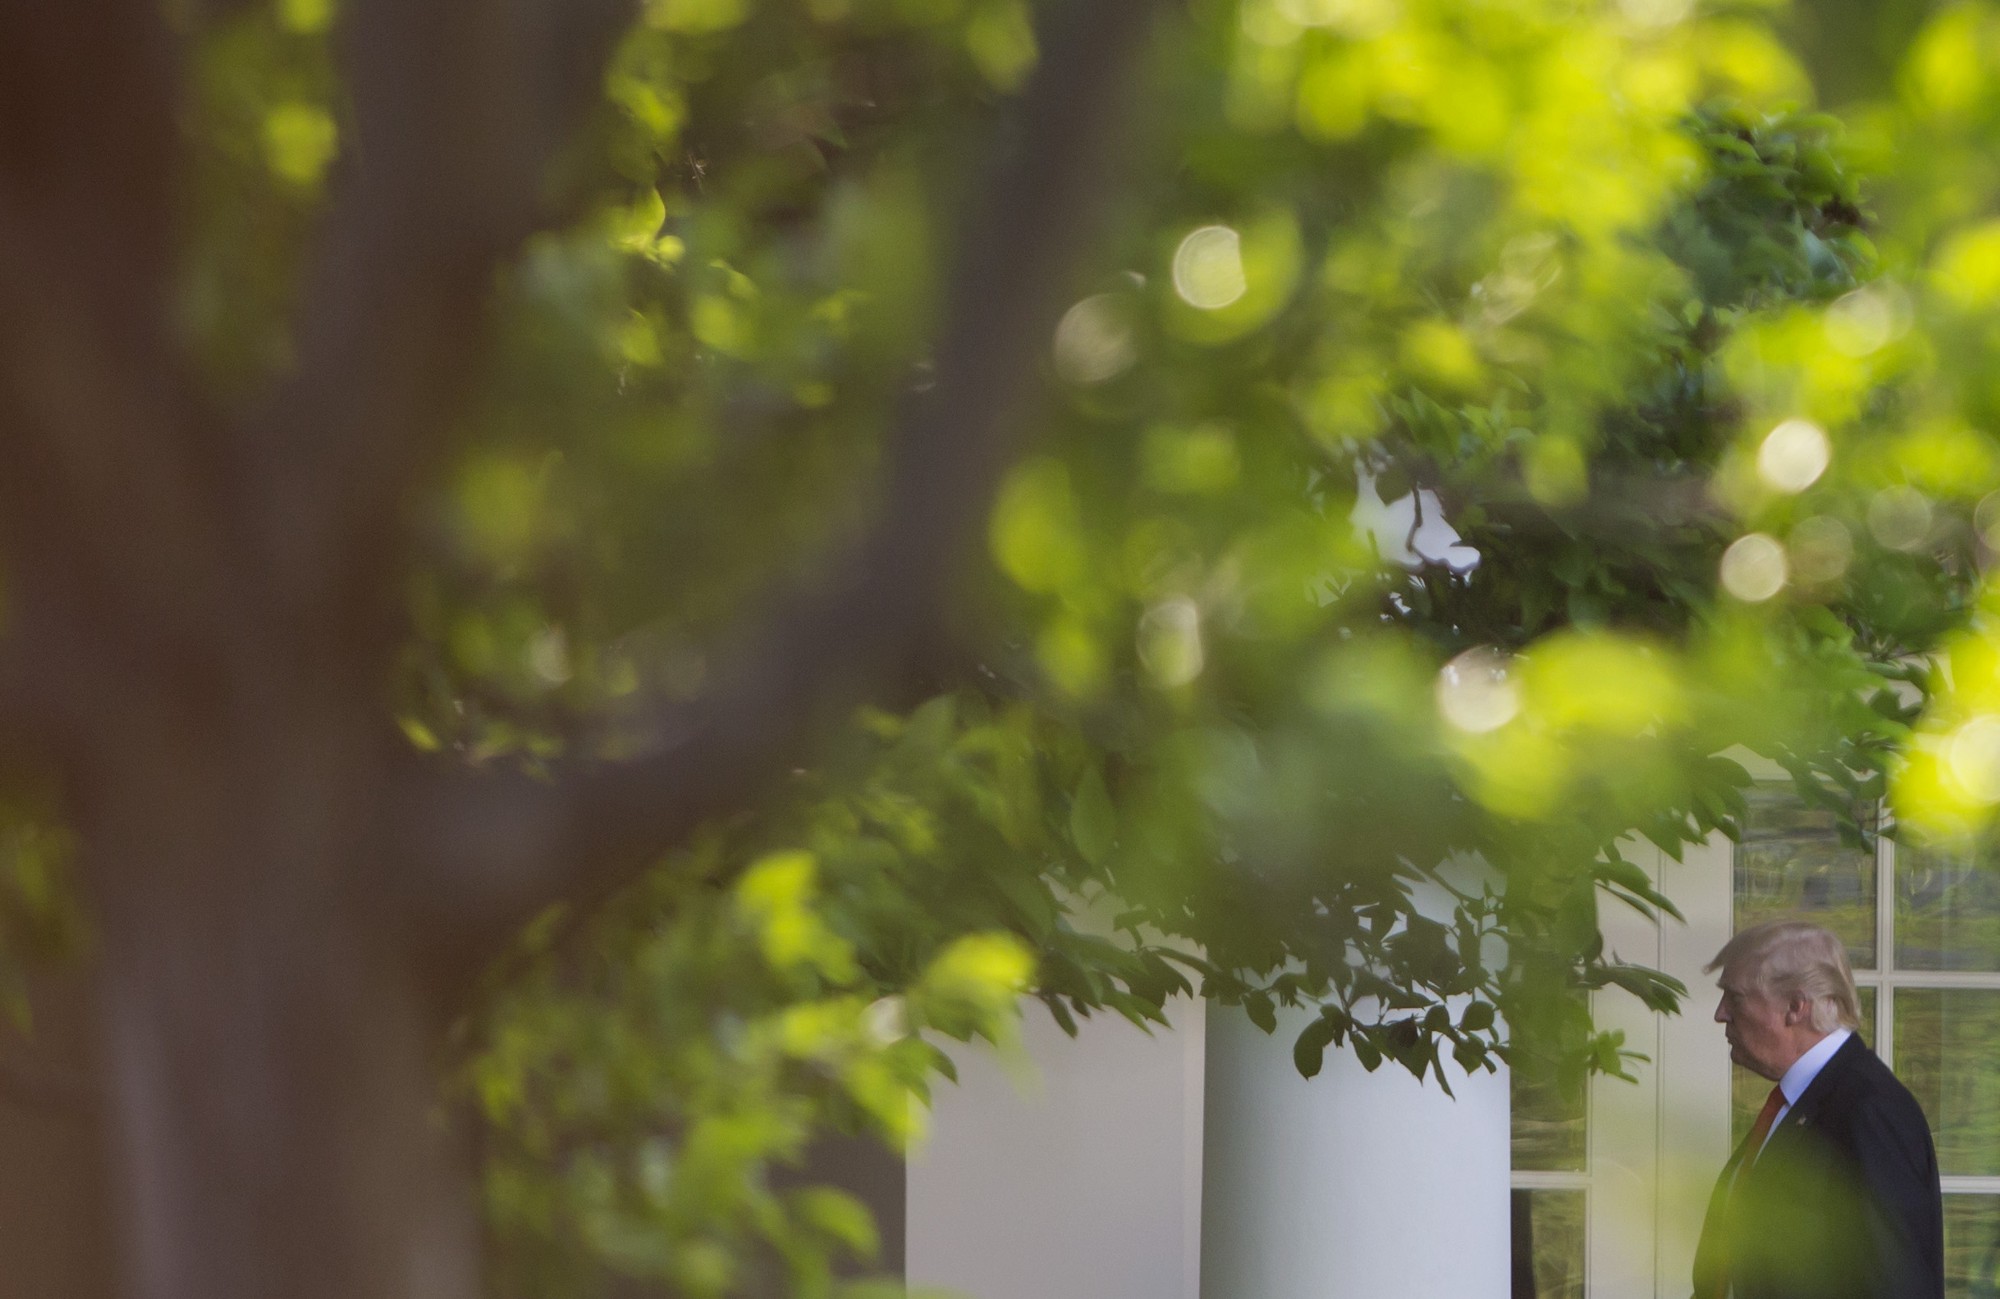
x: 1093, y: 821
x: 840, y: 1217
x: 1367, y: 1052
x: 929, y: 731
x: 1309, y: 1051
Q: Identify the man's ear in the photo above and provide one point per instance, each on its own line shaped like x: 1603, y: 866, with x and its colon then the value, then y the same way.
x: 1798, y: 1010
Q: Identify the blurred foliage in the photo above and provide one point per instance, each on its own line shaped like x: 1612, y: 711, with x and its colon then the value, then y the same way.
x: 1705, y: 380
x: 643, y: 1069
x: 41, y: 921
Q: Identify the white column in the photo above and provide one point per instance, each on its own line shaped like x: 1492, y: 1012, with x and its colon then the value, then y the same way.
x: 1693, y: 1066
x: 1080, y: 1181
x: 1350, y: 1185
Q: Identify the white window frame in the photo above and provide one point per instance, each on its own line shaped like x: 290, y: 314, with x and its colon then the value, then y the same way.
x: 1653, y: 1149
x: 1887, y: 979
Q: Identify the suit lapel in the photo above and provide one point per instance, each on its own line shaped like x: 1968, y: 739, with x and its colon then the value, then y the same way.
x: 1827, y: 1082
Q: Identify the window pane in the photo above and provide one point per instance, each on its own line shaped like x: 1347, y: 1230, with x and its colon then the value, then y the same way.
x: 1792, y: 862
x: 1747, y: 1091
x: 1947, y: 911
x: 1548, y: 1244
x: 1548, y: 1124
x: 1944, y: 1053
x: 1971, y: 1246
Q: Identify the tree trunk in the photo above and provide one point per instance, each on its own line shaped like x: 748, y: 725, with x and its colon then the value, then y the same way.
x: 56, y: 1234
x: 275, y: 1124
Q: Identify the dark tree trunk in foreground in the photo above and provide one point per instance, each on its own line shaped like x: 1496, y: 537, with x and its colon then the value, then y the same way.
x: 268, y: 1047
x: 55, y: 1209
x: 200, y: 617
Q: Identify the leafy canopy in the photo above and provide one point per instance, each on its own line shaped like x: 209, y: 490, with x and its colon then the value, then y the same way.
x: 1480, y: 423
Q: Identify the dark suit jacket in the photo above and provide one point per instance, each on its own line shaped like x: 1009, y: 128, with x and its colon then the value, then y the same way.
x: 1842, y: 1204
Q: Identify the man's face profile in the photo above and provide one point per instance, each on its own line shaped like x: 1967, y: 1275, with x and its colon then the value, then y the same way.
x: 1757, y: 1024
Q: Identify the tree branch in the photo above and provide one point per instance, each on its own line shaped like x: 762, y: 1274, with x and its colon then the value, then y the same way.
x: 492, y: 849
x: 457, y: 108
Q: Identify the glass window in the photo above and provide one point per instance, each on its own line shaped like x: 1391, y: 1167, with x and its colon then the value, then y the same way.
x: 1972, y: 1246
x: 1792, y: 862
x: 1548, y: 1121
x: 1548, y: 1230
x: 1945, y: 916
x: 1945, y: 1046
x: 1947, y: 911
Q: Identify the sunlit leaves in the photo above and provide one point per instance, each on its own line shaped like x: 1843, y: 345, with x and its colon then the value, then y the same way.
x: 263, y: 134
x: 299, y: 142
x: 778, y: 897
x: 1197, y: 460
x: 504, y: 511
x: 306, y: 17
x: 1948, y: 68
x: 695, y: 16
x: 1948, y: 784
x: 636, y: 229
x: 42, y: 919
x: 971, y: 986
x: 708, y: 1034
x: 1966, y: 269
x: 1574, y: 284
x: 1035, y: 528
x: 1000, y: 37
x: 1583, y: 701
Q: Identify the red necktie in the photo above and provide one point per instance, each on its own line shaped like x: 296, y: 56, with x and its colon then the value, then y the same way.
x: 1761, y: 1128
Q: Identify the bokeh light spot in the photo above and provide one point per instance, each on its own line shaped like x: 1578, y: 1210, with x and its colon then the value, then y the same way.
x: 1754, y: 568
x: 1208, y: 268
x: 1900, y: 517
x: 549, y: 656
x: 1477, y: 693
x: 1354, y: 18
x: 1170, y: 641
x: 1093, y: 341
x: 1867, y: 320
x: 1656, y: 13
x: 1986, y: 518
x: 1972, y: 758
x: 1793, y: 456
x: 1821, y: 549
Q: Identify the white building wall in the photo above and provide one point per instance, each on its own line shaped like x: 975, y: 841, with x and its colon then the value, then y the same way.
x: 1080, y: 1181
x: 1197, y: 1164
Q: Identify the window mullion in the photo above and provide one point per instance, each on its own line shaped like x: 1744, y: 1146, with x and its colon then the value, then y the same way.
x: 1885, y: 938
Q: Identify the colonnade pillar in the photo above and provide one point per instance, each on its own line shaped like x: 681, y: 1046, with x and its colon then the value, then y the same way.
x: 1350, y: 1185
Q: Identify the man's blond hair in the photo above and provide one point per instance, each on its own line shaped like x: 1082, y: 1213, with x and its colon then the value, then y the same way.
x: 1795, y: 958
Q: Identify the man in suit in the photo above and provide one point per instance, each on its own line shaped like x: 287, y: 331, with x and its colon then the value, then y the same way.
x: 1834, y: 1192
